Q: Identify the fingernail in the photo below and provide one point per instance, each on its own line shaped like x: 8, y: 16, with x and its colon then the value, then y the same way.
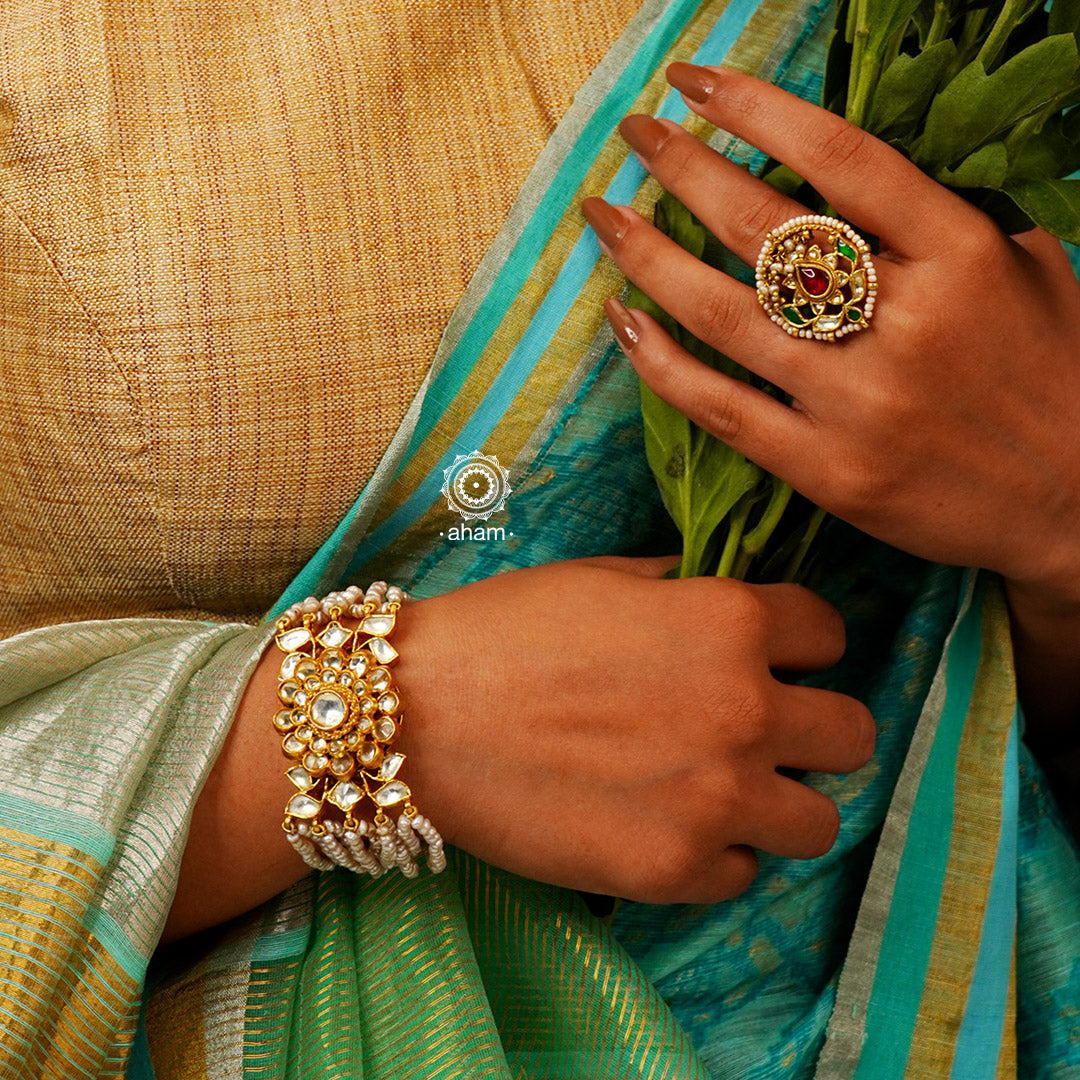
x: 644, y: 134
x: 608, y: 221
x: 695, y: 82
x: 627, y: 331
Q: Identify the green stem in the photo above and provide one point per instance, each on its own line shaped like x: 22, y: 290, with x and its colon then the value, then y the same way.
x: 798, y: 557
x: 758, y: 536
x: 735, y: 530
x: 940, y: 25
x: 1032, y: 125
x: 1011, y: 14
x: 967, y: 43
x: 858, y: 30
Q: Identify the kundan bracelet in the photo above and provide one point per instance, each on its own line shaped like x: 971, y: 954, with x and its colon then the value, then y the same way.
x: 340, y: 714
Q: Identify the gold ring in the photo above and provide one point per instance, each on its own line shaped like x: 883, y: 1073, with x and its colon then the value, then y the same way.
x: 815, y: 278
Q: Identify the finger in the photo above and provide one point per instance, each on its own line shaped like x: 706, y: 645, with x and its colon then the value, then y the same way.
x: 730, y: 873
x: 712, y: 306
x: 791, y: 820
x: 829, y: 732
x: 654, y: 566
x: 782, y: 440
x: 737, y: 207
x: 806, y: 633
x: 866, y: 180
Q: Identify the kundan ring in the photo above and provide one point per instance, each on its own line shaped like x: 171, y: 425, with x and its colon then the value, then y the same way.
x: 815, y: 278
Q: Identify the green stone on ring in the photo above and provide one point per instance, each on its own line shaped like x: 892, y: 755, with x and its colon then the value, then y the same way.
x: 792, y: 315
x: 854, y: 314
x: 846, y: 250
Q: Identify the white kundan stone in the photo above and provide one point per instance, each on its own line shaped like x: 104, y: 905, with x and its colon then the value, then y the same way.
x: 378, y: 625
x: 390, y: 766
x: 303, y: 806
x: 391, y: 794
x: 334, y: 635
x: 291, y: 640
x: 345, y: 795
x: 328, y: 710
x: 301, y: 777
x: 382, y: 650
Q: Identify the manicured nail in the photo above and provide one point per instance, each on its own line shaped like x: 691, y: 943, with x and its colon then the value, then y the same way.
x: 608, y: 221
x: 627, y: 331
x: 697, y: 83
x: 644, y: 134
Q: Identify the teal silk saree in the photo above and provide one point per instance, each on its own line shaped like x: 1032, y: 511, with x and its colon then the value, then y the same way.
x: 940, y: 938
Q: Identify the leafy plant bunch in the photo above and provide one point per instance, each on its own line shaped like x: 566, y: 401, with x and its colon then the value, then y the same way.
x: 981, y: 96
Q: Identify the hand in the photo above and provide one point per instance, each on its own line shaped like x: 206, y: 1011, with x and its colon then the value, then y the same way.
x: 951, y: 426
x: 589, y: 725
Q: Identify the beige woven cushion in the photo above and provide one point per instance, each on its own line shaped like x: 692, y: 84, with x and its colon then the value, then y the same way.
x: 231, y: 232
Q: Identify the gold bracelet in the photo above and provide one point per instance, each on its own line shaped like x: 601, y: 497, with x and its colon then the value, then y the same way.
x: 340, y: 714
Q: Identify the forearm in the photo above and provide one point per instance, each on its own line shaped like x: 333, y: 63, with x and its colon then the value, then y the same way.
x: 236, y: 856
x: 1046, y: 646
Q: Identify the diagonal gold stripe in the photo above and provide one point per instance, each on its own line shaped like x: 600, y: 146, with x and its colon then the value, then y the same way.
x: 69, y: 1008
x: 581, y: 324
x: 973, y: 848
x: 512, y: 431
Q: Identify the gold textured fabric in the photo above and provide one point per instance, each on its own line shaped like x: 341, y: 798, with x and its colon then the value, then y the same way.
x: 231, y: 233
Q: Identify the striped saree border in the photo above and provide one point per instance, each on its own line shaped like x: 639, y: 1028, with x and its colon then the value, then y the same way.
x: 535, y: 298
x: 69, y: 1007
x: 927, y: 990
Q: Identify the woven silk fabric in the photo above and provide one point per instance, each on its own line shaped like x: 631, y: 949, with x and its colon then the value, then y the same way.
x: 937, y: 939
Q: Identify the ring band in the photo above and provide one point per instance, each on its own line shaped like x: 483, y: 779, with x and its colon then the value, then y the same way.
x: 815, y: 278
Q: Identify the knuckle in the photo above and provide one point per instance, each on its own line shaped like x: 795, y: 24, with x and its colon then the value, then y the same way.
x: 745, y: 721
x: 758, y: 217
x: 742, y: 610
x: 739, y: 872
x: 720, y: 318
x: 671, y: 873
x: 979, y: 242
x: 841, y: 146
x: 675, y: 156
x: 721, y: 414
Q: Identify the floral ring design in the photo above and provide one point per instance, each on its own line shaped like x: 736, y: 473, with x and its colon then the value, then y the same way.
x: 815, y: 278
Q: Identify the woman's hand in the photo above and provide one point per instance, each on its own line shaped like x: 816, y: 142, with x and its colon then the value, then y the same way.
x: 583, y: 723
x: 951, y: 426
x: 590, y: 725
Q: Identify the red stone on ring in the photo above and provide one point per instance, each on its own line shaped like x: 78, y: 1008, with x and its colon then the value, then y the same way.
x: 815, y: 280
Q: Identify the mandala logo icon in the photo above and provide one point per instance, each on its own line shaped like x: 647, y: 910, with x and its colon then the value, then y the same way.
x: 476, y: 485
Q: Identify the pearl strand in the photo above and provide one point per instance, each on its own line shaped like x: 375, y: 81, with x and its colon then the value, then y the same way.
x: 356, y: 844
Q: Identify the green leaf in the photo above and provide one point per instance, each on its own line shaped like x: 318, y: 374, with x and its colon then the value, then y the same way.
x: 975, y: 106
x: 884, y: 19
x: 786, y: 181
x: 1052, y: 204
x: 673, y: 218
x: 986, y: 168
x: 1065, y: 17
x: 701, y: 479
x: 1046, y: 155
x: 906, y: 87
